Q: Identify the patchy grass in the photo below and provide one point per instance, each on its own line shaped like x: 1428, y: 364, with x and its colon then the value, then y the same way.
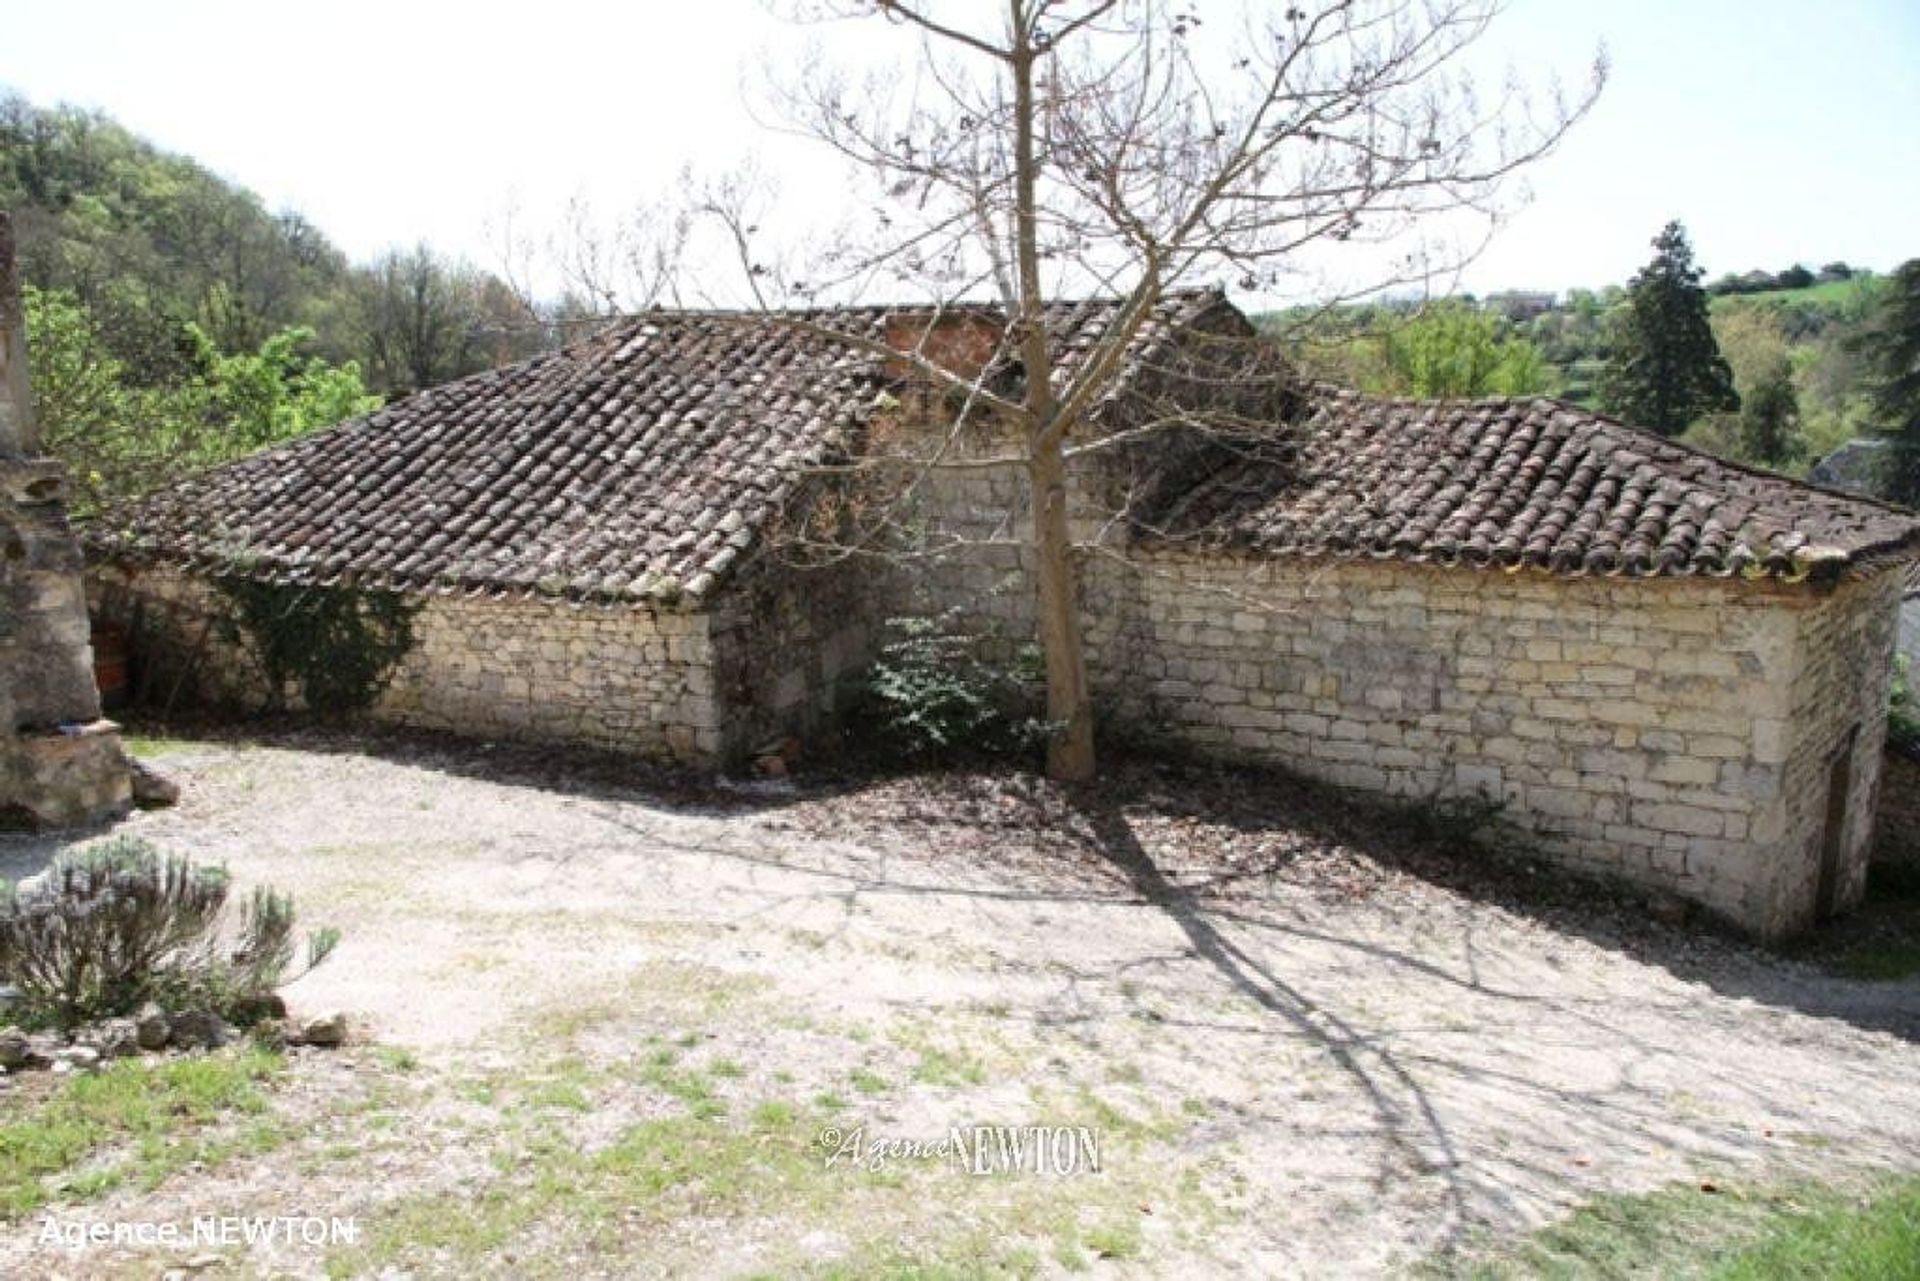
x: 156, y: 742
x: 868, y: 1081
x: 135, y: 1123
x: 939, y: 1064
x: 694, y: 1151
x: 1871, y: 1233
x: 395, y: 1058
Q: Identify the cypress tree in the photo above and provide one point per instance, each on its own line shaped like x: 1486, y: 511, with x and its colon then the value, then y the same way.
x: 1666, y: 370
x: 1893, y: 345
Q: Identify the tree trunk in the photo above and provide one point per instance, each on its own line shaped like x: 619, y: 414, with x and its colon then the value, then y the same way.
x: 1069, y: 705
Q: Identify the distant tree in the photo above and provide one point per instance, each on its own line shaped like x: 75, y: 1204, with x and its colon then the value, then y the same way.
x: 1892, y: 345
x: 1794, y: 277
x: 1666, y: 369
x: 1836, y: 271
x: 1770, y: 417
x: 422, y: 321
x: 1452, y: 349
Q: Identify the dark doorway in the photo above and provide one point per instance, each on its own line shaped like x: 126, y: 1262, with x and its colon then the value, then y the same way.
x: 1833, y: 837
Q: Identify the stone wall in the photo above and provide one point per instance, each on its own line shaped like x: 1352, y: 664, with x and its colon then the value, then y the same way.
x: 777, y: 656
x: 1651, y: 729
x: 615, y: 677
x: 624, y: 678
x: 791, y: 645
x: 1837, y: 722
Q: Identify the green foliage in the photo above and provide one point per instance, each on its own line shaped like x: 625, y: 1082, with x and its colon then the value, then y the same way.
x: 936, y: 696
x: 1891, y: 343
x: 1770, y: 417
x: 1665, y: 369
x: 1817, y: 332
x: 176, y: 322
x: 1448, y: 348
x: 114, y: 924
x: 1452, y: 349
x: 339, y: 646
x: 121, y: 436
x: 1903, y: 712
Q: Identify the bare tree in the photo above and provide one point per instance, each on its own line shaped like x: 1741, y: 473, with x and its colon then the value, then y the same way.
x: 1126, y: 148
x: 420, y: 317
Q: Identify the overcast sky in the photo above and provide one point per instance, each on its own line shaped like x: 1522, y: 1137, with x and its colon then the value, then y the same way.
x: 1777, y: 130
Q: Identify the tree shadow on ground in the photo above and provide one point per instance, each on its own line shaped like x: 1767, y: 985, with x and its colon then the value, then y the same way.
x: 1176, y: 833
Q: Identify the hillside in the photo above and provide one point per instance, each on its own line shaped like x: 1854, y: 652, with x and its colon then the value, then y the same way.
x: 174, y: 320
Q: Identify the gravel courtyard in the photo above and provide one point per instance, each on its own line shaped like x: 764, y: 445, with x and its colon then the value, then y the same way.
x: 603, y: 1021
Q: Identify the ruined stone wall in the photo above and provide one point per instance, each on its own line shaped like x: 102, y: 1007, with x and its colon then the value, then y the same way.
x: 1641, y: 728
x: 624, y: 678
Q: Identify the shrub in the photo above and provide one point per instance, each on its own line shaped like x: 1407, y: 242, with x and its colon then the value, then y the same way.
x: 1903, y: 717
x: 935, y: 695
x: 112, y: 925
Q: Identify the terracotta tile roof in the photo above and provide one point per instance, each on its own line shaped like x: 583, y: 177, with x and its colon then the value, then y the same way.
x: 1520, y: 482
x: 640, y: 463
x: 643, y: 463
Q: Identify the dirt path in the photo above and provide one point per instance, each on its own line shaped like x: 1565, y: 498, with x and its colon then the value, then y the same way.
x: 1286, y: 1079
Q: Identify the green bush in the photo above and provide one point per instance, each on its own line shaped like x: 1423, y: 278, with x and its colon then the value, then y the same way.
x: 1903, y: 717
x: 115, y: 924
x: 339, y: 646
x: 936, y: 695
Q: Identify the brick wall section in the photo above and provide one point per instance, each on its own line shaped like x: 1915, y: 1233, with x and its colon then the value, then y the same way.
x: 1642, y: 728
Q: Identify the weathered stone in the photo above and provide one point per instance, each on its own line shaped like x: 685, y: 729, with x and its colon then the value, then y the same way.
x: 151, y: 1027
x: 1610, y: 717
x: 14, y: 1048
x: 78, y: 1058
x: 200, y: 1030
x: 151, y: 788
x: 328, y: 1029
x: 112, y: 1038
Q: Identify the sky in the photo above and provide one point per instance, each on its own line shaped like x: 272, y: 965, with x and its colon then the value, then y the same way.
x: 1777, y: 131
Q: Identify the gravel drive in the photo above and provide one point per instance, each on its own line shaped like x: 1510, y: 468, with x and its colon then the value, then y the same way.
x: 1352, y: 1050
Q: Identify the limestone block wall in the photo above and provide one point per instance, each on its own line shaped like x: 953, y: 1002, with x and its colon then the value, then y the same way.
x: 1837, y: 730
x: 982, y: 517
x: 623, y: 677
x: 1642, y: 728
x: 617, y: 677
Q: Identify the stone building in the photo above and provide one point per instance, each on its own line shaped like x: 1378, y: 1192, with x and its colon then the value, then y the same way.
x: 60, y: 763
x: 1657, y: 664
